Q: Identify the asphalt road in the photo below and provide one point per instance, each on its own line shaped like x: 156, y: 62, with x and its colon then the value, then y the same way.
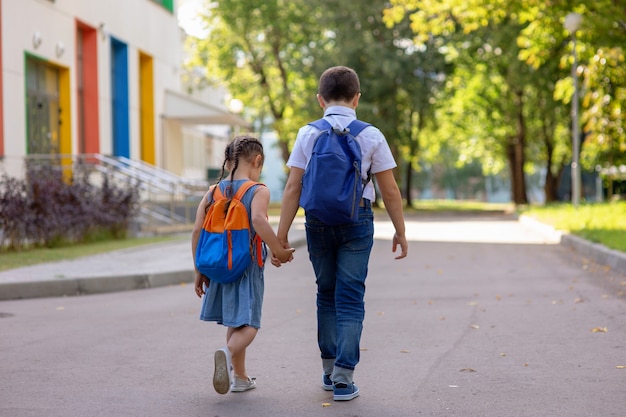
x: 485, y: 318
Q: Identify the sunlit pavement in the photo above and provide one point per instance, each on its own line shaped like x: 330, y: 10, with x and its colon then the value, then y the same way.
x: 464, y: 326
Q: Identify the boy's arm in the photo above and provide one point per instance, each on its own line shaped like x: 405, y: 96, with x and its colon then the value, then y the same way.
x: 263, y: 228
x: 290, y: 203
x: 393, y: 204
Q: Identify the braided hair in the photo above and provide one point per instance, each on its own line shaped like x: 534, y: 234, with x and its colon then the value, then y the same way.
x: 244, y: 146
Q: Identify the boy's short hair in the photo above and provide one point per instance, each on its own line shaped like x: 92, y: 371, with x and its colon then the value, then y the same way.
x: 339, y: 84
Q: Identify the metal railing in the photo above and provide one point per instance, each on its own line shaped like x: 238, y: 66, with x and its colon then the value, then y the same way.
x: 166, y: 199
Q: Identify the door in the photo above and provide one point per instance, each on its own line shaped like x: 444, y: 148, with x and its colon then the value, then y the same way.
x: 42, y: 107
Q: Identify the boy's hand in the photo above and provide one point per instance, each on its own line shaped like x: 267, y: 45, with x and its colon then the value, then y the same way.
x: 404, y: 246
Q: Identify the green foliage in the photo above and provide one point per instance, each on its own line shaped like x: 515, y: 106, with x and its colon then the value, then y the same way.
x: 264, y: 51
x: 450, y: 82
x: 529, y: 72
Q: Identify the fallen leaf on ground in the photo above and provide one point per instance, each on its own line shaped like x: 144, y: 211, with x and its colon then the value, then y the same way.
x: 599, y: 330
x: 621, y: 366
x: 362, y: 349
x: 475, y: 326
x: 325, y: 404
x: 579, y: 300
x: 467, y: 370
x: 405, y: 351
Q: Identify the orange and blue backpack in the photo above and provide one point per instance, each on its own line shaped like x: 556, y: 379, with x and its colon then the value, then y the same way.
x: 226, y: 243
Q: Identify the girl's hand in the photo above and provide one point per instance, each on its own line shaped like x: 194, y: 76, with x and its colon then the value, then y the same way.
x: 285, y: 255
x: 276, y: 262
x: 200, y: 282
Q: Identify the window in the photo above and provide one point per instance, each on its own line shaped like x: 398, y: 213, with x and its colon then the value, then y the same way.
x: 168, y: 4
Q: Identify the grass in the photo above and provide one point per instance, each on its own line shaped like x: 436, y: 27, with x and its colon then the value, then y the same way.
x: 461, y: 206
x: 13, y: 259
x: 603, y: 223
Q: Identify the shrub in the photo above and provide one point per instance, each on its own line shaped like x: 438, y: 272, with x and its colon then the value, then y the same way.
x: 46, y: 209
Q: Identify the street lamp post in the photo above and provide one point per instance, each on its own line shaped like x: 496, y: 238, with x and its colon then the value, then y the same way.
x: 572, y: 24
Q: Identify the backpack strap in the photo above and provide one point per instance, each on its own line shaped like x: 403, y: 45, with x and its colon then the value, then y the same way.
x: 243, y: 188
x: 356, y: 127
x: 321, y: 124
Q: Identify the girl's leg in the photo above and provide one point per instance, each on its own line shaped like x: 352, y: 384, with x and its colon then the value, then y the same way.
x: 238, y: 339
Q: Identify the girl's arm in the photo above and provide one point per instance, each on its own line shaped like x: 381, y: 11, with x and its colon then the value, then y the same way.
x: 195, y: 236
x: 260, y: 202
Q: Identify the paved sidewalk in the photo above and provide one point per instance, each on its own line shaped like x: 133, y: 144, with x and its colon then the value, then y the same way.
x: 170, y: 263
x: 147, y: 266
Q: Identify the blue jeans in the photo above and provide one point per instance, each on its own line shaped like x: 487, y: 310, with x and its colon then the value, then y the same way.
x: 340, y: 255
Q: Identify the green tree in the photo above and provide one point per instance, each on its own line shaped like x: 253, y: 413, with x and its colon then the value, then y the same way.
x: 532, y: 87
x: 264, y: 51
x: 399, y: 82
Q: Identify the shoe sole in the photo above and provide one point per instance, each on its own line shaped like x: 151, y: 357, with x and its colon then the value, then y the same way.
x: 221, y: 377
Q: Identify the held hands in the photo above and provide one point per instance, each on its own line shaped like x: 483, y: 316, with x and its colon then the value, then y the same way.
x: 282, y: 256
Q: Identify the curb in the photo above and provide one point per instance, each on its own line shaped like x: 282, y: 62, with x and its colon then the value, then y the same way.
x: 64, y: 287
x: 94, y: 285
x: 602, y: 255
x: 599, y: 253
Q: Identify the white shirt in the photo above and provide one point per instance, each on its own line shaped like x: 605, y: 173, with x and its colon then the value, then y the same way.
x: 375, y: 152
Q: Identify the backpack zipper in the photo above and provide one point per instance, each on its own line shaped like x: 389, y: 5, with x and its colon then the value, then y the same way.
x: 357, y: 181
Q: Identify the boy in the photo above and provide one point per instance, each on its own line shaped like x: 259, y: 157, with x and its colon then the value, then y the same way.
x: 340, y: 254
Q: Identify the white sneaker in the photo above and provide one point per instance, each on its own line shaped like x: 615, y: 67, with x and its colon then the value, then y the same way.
x: 241, y: 385
x: 221, y: 375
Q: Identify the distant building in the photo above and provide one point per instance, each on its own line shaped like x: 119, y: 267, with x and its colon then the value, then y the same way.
x: 103, y: 77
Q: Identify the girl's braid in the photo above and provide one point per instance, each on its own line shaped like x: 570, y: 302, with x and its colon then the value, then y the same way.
x: 228, y: 157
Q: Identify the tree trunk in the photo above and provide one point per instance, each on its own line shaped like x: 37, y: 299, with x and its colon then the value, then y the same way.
x: 552, y: 181
x: 516, y: 156
x: 414, y: 146
x: 408, y: 184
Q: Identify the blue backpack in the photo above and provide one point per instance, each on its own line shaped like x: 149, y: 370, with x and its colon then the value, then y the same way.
x: 332, y: 186
x: 226, y: 242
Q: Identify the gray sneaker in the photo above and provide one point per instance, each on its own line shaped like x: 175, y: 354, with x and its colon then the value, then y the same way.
x: 241, y: 385
x: 221, y: 375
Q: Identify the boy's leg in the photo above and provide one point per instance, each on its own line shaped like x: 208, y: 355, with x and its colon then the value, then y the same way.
x: 352, y: 265
x: 321, y: 246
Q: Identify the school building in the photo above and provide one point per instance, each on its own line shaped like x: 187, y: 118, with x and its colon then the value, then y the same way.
x: 104, y: 77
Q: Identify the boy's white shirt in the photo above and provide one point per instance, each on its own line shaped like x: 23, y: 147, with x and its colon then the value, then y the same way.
x: 375, y: 152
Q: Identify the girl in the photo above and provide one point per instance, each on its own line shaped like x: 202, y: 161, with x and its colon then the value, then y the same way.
x: 238, y: 305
